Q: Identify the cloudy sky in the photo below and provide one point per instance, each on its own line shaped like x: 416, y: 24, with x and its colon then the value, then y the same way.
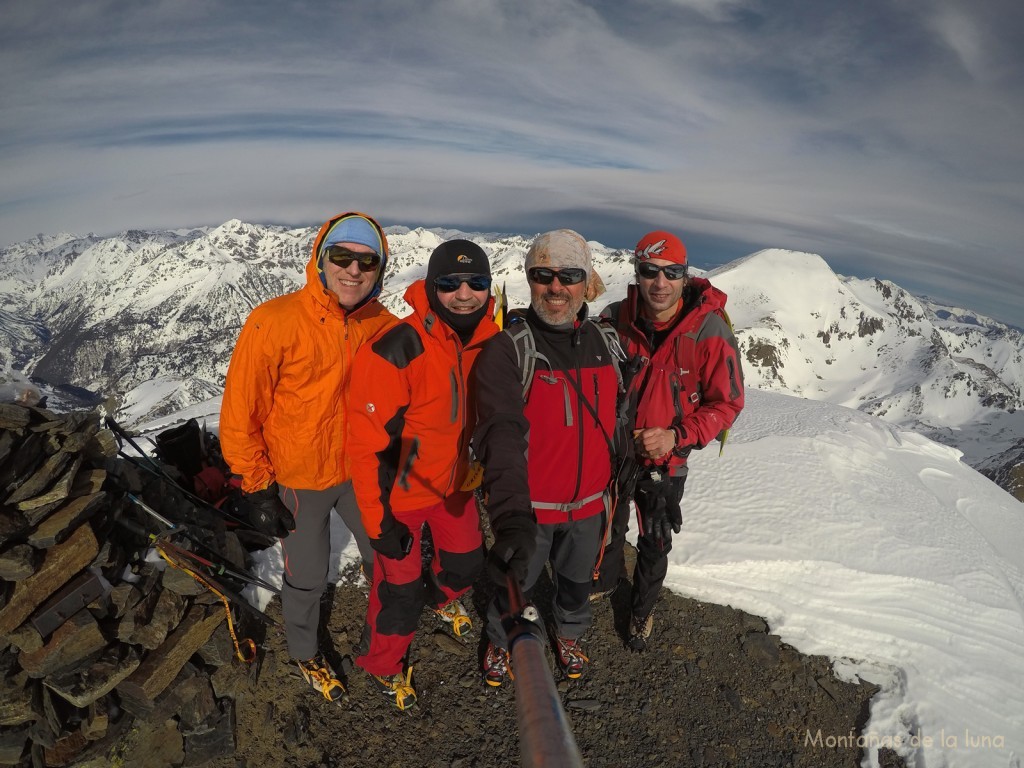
x: 885, y: 135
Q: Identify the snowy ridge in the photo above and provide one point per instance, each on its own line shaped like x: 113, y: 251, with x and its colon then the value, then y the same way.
x: 869, y: 345
x: 153, y: 317
x: 879, y: 548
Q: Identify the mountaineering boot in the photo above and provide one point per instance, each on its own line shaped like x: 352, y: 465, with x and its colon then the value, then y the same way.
x: 398, y: 687
x: 455, y: 614
x: 640, y: 628
x: 497, y: 664
x: 570, y: 657
x: 321, y: 678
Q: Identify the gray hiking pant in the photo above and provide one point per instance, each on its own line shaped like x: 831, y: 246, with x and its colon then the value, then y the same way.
x: 572, y: 549
x: 307, y: 553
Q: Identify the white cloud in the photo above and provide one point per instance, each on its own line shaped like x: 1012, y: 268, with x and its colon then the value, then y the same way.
x: 748, y: 121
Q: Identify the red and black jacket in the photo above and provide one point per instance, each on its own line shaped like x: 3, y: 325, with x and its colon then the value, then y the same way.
x: 692, y: 380
x: 552, y: 453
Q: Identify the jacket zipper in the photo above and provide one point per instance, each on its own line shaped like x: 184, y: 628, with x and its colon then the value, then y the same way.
x: 456, y: 411
x: 346, y: 360
x: 579, y: 431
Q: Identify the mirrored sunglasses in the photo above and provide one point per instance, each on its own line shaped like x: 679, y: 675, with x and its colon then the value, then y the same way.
x: 343, y: 257
x: 451, y: 283
x: 650, y: 271
x: 567, y: 276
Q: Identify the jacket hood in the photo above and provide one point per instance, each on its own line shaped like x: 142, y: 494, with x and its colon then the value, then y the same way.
x: 314, y: 267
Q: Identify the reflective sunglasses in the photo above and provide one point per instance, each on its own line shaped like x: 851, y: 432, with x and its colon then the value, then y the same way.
x: 650, y: 271
x: 343, y: 257
x: 567, y: 276
x: 451, y: 283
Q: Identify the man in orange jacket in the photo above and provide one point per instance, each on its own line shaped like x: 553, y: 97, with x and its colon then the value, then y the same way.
x: 283, y: 424
x: 410, y: 427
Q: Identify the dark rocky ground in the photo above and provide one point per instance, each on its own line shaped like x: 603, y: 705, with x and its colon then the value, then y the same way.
x: 715, y: 689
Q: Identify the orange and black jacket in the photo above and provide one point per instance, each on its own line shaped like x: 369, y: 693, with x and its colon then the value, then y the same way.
x: 409, y: 412
x: 283, y: 416
x: 551, y: 455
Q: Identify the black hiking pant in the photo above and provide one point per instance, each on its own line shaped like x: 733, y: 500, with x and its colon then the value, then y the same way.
x: 651, y: 558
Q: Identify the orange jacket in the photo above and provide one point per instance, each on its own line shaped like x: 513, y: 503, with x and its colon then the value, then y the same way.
x: 283, y: 416
x: 409, y: 385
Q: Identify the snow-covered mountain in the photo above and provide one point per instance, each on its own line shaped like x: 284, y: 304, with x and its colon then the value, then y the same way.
x: 152, y: 317
x: 944, y: 372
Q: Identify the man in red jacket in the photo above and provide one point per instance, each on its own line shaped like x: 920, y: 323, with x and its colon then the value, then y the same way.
x: 409, y: 452
x: 547, y: 449
x: 687, y: 385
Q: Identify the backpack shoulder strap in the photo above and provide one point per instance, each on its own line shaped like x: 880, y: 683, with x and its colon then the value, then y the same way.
x: 526, y: 353
x: 613, y: 344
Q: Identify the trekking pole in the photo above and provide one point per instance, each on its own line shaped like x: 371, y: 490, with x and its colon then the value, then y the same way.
x: 154, y: 468
x: 219, y: 568
x: 545, y: 738
x: 162, y: 544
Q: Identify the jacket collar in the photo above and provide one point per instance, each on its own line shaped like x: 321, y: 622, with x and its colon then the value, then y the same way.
x: 416, y: 297
x: 699, y: 298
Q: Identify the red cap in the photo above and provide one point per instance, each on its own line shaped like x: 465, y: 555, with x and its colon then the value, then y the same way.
x: 661, y: 245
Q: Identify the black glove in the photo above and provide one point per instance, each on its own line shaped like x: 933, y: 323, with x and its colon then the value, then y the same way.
x: 515, y: 541
x: 657, y: 498
x: 268, y: 514
x: 395, y: 541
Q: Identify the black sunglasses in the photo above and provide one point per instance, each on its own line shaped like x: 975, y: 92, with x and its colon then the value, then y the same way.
x: 650, y: 271
x: 451, y: 283
x: 567, y: 276
x: 343, y: 257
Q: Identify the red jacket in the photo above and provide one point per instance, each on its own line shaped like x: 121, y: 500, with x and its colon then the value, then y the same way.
x: 410, y: 385
x: 692, y: 382
x: 550, y: 454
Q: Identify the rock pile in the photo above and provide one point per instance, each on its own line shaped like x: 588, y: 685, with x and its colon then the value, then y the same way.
x: 95, y: 630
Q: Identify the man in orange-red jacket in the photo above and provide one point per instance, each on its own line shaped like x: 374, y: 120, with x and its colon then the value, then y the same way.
x: 409, y: 447
x: 283, y: 424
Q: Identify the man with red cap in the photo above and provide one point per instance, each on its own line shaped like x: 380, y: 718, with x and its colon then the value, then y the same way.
x: 685, y: 379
